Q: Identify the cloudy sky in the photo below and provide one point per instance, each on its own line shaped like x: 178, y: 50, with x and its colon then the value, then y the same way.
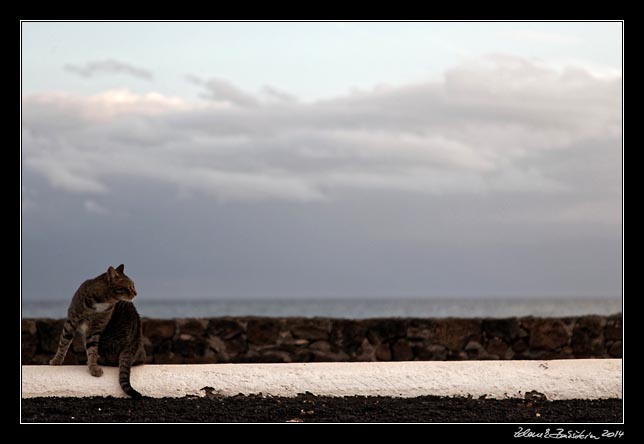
x: 263, y: 160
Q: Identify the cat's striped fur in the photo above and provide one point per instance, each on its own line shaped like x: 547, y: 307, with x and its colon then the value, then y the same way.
x: 121, y: 343
x: 102, y: 311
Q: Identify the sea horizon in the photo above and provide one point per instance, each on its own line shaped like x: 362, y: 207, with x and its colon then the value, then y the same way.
x: 356, y: 308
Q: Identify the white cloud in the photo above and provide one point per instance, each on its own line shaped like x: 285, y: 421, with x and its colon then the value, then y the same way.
x: 502, y: 124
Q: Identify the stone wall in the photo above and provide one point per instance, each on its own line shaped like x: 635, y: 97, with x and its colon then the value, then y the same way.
x: 256, y: 339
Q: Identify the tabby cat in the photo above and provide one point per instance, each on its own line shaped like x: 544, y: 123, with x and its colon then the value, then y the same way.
x: 102, y: 310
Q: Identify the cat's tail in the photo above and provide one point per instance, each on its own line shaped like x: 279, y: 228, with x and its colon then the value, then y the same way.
x: 125, y: 365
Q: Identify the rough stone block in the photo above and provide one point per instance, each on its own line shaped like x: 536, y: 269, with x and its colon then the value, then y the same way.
x: 474, y: 350
x: 520, y: 346
x: 49, y: 331
x: 429, y: 352
x: 330, y: 356
x: 586, y: 336
x: 615, y: 350
x: 28, y: 349
x: 159, y: 328
x: 322, y: 346
x: 188, y: 348
x: 415, y: 332
x: 366, y: 352
x: 506, y: 329
x: 29, y: 327
x: 311, y: 329
x: 384, y: 330
x: 383, y: 352
x: 455, y: 333
x: 401, y: 351
x: 348, y: 334
x: 192, y: 327
x: 496, y: 346
x: 225, y: 328
x: 262, y: 331
x: 613, y: 330
x: 593, y: 325
x: 548, y: 334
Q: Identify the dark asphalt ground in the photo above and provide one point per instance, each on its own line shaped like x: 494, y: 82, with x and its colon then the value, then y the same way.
x: 310, y: 408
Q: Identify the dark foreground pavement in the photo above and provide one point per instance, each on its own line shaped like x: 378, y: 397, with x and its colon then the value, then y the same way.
x: 310, y: 408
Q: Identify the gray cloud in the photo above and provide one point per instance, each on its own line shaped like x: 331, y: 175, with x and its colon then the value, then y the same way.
x: 223, y: 91
x: 108, y: 66
x: 94, y: 207
x: 502, y: 178
x: 278, y: 95
x: 503, y: 125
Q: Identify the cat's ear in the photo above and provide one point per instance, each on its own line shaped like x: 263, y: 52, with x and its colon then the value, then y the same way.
x: 120, y: 268
x: 111, y: 274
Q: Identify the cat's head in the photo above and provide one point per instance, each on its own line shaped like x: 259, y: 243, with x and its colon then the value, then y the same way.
x: 121, y: 287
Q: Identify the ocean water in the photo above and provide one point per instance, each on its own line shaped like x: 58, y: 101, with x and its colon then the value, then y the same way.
x: 352, y: 308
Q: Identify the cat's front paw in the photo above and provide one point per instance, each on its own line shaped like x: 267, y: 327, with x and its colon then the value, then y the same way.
x: 95, y: 370
x: 55, y: 361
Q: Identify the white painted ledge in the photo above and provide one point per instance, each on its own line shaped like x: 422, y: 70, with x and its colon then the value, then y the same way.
x: 560, y: 379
